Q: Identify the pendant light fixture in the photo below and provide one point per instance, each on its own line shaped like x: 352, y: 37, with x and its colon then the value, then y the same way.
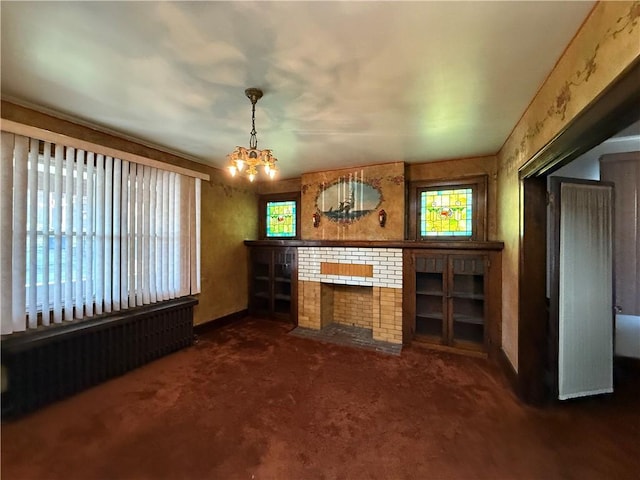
x: 248, y: 160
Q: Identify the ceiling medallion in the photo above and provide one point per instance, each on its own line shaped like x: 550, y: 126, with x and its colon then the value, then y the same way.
x: 248, y: 160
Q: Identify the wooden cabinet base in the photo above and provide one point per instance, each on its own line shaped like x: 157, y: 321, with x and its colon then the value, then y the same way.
x: 471, y: 352
x: 273, y: 276
x: 451, y: 300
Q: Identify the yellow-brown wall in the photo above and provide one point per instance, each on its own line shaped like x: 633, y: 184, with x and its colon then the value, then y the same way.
x: 388, y: 178
x: 394, y: 197
x: 279, y: 186
x: 229, y: 215
x: 607, y: 43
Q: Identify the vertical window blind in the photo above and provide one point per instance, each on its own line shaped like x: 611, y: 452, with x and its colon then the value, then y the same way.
x: 83, y: 234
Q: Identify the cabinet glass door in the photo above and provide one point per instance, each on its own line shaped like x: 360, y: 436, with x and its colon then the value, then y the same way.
x: 282, y: 266
x: 467, y: 294
x: 260, y: 281
x: 430, y: 321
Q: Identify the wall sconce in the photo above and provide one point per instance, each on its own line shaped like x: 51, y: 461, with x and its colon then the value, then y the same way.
x: 382, y: 218
x: 316, y: 219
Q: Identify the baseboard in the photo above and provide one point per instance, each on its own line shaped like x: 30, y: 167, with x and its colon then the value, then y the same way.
x: 627, y: 363
x: 509, y: 371
x: 219, y: 322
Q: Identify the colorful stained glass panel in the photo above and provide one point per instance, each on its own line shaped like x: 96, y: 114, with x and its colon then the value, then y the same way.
x: 281, y: 219
x: 446, y: 213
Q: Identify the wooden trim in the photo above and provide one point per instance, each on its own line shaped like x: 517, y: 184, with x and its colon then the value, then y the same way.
x: 9, y: 101
x: 613, y: 110
x: 218, y: 323
x: 449, y: 349
x: 627, y: 363
x: 277, y: 197
x: 532, y: 280
x: 58, y: 138
x: 408, y: 297
x: 509, y: 372
x: 451, y: 245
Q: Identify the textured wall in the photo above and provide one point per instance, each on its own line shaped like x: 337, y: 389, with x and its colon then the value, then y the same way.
x: 278, y: 186
x: 229, y: 215
x: 607, y: 43
x: 387, y: 178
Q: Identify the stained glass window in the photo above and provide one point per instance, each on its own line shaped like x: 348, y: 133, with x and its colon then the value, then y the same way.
x: 281, y: 219
x: 446, y: 213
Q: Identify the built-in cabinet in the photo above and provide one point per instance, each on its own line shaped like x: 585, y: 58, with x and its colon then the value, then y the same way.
x: 272, y: 282
x: 451, y: 299
x: 451, y: 290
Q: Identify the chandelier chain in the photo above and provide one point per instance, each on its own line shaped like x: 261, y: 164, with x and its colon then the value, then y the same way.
x: 253, y: 139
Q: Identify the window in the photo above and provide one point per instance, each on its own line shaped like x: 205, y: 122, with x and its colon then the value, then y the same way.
x: 446, y: 212
x: 279, y: 215
x: 448, y: 209
x: 281, y: 219
x: 91, y: 234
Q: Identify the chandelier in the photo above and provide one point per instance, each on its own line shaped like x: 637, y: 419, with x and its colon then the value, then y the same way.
x: 248, y: 160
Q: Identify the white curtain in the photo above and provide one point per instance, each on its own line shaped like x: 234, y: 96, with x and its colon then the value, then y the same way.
x: 84, y: 234
x: 6, y: 225
x: 585, y: 355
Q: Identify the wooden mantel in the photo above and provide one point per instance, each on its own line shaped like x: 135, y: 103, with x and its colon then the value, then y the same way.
x: 433, y: 245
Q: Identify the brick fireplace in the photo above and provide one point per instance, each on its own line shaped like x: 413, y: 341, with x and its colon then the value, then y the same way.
x: 357, y: 286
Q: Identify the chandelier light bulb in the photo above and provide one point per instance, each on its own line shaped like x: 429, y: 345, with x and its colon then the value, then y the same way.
x: 240, y: 165
x: 233, y: 170
x: 252, y: 177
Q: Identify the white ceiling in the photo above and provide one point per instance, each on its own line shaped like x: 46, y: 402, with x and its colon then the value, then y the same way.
x: 346, y: 83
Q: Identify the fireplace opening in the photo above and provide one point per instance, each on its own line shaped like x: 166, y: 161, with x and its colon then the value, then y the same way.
x: 351, y: 315
x: 349, y: 305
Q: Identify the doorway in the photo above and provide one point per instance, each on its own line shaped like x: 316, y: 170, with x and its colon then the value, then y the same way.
x: 616, y: 109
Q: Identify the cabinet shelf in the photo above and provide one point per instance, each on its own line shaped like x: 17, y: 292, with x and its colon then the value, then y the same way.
x: 472, y: 296
x: 282, y: 279
x: 430, y: 316
x: 434, y: 293
x: 468, y: 319
x: 261, y: 278
x: 279, y: 296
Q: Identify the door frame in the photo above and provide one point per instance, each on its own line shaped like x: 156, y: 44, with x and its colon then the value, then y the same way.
x: 616, y: 108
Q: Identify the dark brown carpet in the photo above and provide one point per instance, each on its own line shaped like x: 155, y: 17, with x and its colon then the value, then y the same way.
x: 251, y: 402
